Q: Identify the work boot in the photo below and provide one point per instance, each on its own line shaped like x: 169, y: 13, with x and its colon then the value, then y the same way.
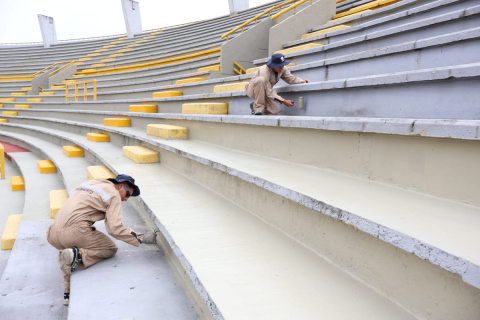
x: 69, y: 259
x: 259, y: 113
x: 251, y: 108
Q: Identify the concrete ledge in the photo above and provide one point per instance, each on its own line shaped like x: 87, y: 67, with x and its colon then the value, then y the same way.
x: 57, y: 199
x: 10, y: 232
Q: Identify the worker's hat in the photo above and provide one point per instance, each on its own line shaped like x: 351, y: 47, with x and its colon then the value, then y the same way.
x: 121, y: 178
x: 277, y: 60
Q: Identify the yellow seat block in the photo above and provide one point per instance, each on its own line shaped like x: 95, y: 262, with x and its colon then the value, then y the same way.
x: 167, y: 131
x: 99, y: 172
x: 57, y: 87
x: 148, y: 37
x: 156, y: 32
x: 22, y: 106
x: 9, y: 113
x: 18, y: 94
x: 17, y: 183
x: 1, y: 105
x: 35, y: 100
x: 7, y: 99
x: 98, y: 65
x: 10, y: 231
x: 167, y: 94
x: 151, y: 108
x: 124, y: 49
x: 85, y: 59
x: 46, y: 166
x: 116, y: 122
x: 240, y: 86
x: 140, y: 154
x: 116, y: 54
x: 116, y: 42
x: 69, y: 80
x: 107, y: 59
x: 300, y: 48
x: 93, y: 54
x: 132, y: 45
x: 212, y: 68
x: 101, y: 50
x: 4, y: 120
x: 205, y: 108
x: 98, y: 137
x: 46, y: 93
x: 73, y: 151
x: 108, y: 46
x: 27, y: 88
x: 57, y: 199
x: 326, y: 30
x: 182, y: 81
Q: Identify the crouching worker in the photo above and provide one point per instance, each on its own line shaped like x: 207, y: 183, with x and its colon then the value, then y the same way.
x: 260, y: 86
x: 72, y: 231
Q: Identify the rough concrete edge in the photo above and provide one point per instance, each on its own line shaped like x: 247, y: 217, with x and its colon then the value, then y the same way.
x: 468, y: 271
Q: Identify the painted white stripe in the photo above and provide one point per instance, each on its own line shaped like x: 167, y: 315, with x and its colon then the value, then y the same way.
x: 102, y: 193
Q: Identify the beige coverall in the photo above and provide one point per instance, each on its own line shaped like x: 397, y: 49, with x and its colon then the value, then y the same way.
x: 260, y: 88
x: 93, y: 201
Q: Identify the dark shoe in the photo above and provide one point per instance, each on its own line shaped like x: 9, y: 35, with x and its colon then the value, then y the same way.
x: 258, y: 113
x: 251, y: 108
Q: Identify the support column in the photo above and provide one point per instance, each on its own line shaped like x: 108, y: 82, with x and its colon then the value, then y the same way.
x: 131, y: 13
x: 47, y: 27
x: 238, y: 5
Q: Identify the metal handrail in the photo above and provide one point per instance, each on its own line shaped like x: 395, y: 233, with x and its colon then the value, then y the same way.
x: 2, y: 162
x: 85, y: 93
x: 258, y: 16
x: 63, y: 67
x: 30, y: 77
x: 293, y: 6
x: 240, y: 69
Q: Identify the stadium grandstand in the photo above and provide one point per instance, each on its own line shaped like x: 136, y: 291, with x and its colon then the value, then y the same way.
x: 361, y: 202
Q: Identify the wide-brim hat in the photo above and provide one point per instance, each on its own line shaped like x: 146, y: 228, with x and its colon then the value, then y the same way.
x: 121, y: 178
x: 277, y: 60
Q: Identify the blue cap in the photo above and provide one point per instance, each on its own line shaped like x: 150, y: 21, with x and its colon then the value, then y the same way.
x: 121, y: 178
x: 277, y: 60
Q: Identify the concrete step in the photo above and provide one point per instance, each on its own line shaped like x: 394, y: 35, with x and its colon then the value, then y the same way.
x: 274, y: 175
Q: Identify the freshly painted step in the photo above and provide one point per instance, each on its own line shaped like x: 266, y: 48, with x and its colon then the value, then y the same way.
x: 73, y: 151
x: 4, y: 120
x: 46, y: 166
x: 116, y: 122
x: 205, y: 108
x: 99, y: 172
x: 21, y: 106
x: 240, y: 86
x: 182, y: 81
x: 140, y: 154
x: 300, y: 48
x: 57, y: 199
x: 18, y: 94
x: 17, y: 183
x: 35, y: 100
x: 167, y: 94
x: 323, y: 31
x: 9, y: 113
x: 47, y: 93
x: 167, y: 131
x: 10, y: 232
x: 98, y: 137
x: 211, y: 68
x: 149, y: 108
x: 7, y: 99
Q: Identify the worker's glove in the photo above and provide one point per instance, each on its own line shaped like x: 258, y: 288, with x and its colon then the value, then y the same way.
x: 149, y: 238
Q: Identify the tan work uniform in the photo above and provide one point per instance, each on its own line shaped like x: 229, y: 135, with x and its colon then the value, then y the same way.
x: 93, y: 201
x: 260, y: 88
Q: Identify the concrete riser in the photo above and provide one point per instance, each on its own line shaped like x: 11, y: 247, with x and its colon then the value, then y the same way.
x: 414, y: 162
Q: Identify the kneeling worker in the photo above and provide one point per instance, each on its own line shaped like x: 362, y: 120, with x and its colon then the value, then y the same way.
x: 260, y: 86
x: 74, y: 235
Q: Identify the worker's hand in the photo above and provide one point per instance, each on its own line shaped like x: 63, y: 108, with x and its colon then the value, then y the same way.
x: 305, y: 81
x: 148, y: 238
x: 288, y: 103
